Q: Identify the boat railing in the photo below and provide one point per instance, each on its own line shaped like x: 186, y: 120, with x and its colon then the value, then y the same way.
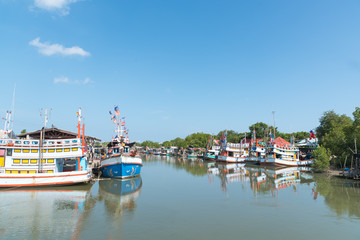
x: 35, y: 143
x: 281, y: 147
x: 237, y: 145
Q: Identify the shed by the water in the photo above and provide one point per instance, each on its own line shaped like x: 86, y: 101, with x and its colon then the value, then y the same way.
x: 55, y: 133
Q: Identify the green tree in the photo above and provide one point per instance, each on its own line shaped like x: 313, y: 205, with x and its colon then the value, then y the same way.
x: 262, y: 130
x: 178, y: 142
x: 334, y: 134
x: 321, y: 159
x: 150, y: 144
x: 23, y: 131
x: 232, y: 136
x: 197, y: 140
x: 166, y: 144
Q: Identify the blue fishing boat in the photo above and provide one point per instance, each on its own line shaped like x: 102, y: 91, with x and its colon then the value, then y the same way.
x: 123, y: 162
x: 121, y: 167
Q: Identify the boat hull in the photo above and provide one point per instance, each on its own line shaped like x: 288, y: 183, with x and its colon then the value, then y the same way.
x: 281, y: 162
x: 45, y: 179
x: 231, y: 159
x: 210, y: 157
x: 252, y: 160
x: 123, y: 167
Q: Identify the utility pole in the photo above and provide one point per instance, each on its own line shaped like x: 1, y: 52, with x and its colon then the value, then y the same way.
x: 273, y: 112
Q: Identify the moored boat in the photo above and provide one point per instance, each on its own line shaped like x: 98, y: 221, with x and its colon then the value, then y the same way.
x: 125, y: 163
x: 281, y: 152
x: 234, y: 153
x: 121, y: 167
x: 42, y: 158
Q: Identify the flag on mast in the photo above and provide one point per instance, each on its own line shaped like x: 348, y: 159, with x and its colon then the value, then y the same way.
x: 117, y: 111
x: 312, y: 135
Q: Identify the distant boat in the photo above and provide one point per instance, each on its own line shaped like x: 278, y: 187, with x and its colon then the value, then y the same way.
x: 212, y: 154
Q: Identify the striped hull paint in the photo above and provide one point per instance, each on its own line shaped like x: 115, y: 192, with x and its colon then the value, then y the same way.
x: 231, y: 159
x: 281, y: 162
x: 253, y: 160
x: 45, y: 179
x: 210, y: 157
x: 123, y: 167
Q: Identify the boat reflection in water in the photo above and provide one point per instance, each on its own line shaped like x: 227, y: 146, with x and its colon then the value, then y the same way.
x: 30, y: 213
x: 265, y: 180
x: 120, y: 195
x: 232, y: 172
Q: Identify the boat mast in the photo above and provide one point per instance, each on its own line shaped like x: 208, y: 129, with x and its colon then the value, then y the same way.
x: 44, y: 113
x: 79, y: 115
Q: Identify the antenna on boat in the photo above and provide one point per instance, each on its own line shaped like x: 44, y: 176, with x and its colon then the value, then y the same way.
x: 45, y: 113
x: 12, y: 108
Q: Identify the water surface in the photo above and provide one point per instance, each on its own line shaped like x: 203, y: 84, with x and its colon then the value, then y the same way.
x: 188, y: 199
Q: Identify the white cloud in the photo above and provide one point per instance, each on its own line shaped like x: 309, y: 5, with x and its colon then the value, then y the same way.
x: 86, y: 81
x: 60, y: 6
x: 68, y: 81
x: 61, y: 80
x: 51, y: 49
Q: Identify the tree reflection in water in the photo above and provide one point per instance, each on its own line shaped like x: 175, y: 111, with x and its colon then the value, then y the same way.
x: 342, y: 196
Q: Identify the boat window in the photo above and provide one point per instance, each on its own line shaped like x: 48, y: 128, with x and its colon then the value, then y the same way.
x: 35, y: 142
x: 18, y: 142
x: 26, y: 142
x: 74, y: 141
x: 9, y: 152
x: 67, y: 141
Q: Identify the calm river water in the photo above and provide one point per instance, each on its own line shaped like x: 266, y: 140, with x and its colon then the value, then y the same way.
x: 188, y: 199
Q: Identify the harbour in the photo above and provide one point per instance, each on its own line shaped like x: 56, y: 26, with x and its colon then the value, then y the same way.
x: 187, y: 120
x: 188, y: 199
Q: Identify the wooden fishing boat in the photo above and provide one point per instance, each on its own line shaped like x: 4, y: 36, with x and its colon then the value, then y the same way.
x: 283, y: 153
x: 41, y: 161
x: 234, y: 153
x: 125, y: 163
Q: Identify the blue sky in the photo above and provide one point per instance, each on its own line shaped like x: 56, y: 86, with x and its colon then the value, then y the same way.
x: 179, y: 66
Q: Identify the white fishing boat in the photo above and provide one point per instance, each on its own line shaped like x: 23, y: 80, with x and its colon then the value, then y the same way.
x: 281, y: 152
x: 234, y: 153
x: 41, y: 160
